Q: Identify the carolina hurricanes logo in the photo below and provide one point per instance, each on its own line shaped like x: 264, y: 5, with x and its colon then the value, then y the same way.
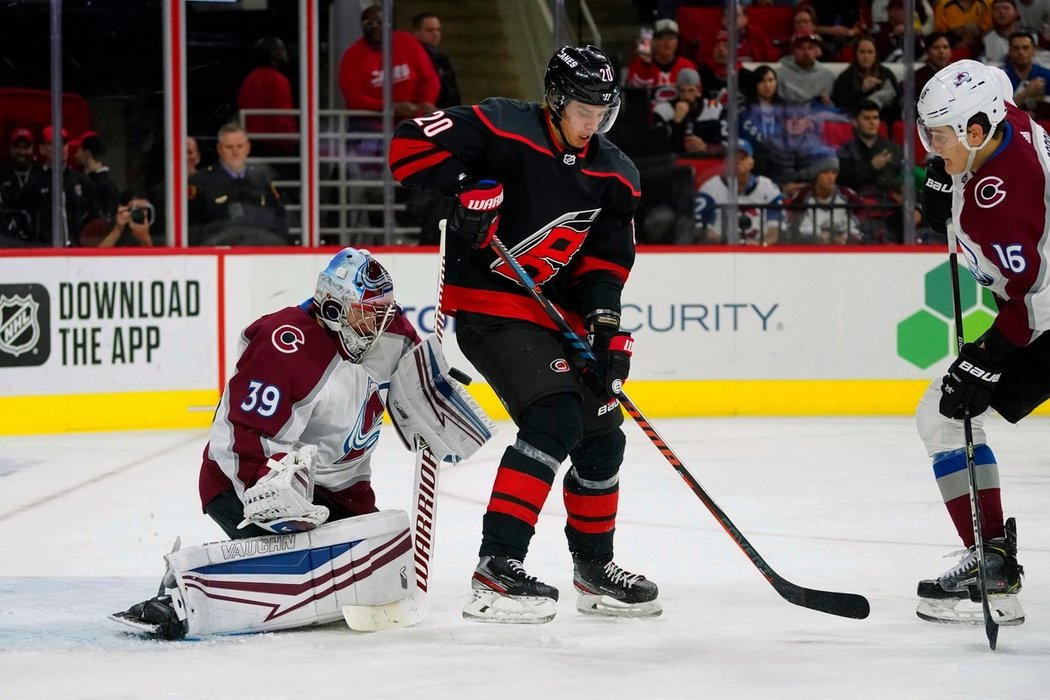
x: 287, y: 338
x: 551, y: 248
x: 988, y: 192
x: 560, y: 365
x: 365, y: 433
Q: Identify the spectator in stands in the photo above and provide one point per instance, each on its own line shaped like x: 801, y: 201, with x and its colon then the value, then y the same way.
x: 759, y: 199
x: 233, y: 195
x: 426, y: 26
x: 889, y: 35
x: 79, y: 195
x: 967, y: 20
x: 791, y: 155
x: 1035, y: 14
x: 90, y: 151
x: 193, y: 156
x: 416, y: 85
x: 867, y: 79
x: 266, y: 87
x: 872, y: 166
x: 1005, y: 21
x: 696, y: 124
x: 823, y: 211
x: 20, y: 184
x: 1029, y: 79
x: 661, y: 66
x: 938, y: 55
x: 127, y: 226
x: 762, y: 115
x: 753, y: 44
x: 802, y: 79
x: 804, y: 22
x: 838, y: 23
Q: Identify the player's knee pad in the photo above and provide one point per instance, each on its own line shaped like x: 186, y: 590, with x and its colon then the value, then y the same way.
x: 295, y: 580
x: 938, y: 433
x: 553, y: 425
x: 598, y: 457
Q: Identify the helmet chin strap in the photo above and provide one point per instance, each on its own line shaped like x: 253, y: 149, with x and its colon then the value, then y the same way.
x: 556, y: 122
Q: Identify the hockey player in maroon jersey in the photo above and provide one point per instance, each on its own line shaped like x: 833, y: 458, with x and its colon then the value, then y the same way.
x: 289, y: 454
x: 561, y: 197
x: 991, y: 181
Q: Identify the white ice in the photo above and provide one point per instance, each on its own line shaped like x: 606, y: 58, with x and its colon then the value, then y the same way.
x: 832, y: 503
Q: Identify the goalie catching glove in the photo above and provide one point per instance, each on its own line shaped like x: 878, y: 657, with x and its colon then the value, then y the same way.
x: 426, y: 403
x: 282, y: 501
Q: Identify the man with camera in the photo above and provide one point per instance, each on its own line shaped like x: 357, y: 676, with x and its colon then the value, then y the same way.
x: 128, y: 226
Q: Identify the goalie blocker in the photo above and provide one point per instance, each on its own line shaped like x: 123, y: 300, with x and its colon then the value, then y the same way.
x: 427, y: 400
x: 281, y: 581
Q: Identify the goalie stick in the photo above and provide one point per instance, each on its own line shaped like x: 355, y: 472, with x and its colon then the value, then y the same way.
x: 843, y: 604
x: 991, y: 628
x: 412, y: 610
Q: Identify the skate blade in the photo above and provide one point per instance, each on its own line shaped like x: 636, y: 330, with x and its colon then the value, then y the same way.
x: 1006, y: 611
x: 606, y: 606
x: 489, y: 606
x: 374, y: 618
x: 139, y: 626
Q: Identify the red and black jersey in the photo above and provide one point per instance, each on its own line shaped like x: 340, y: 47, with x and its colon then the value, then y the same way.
x: 568, y: 217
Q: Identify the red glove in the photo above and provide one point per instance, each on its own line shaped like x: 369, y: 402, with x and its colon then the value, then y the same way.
x: 477, y: 212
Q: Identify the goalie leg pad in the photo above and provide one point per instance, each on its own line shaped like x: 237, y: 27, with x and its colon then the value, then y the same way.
x: 426, y: 402
x: 294, y: 580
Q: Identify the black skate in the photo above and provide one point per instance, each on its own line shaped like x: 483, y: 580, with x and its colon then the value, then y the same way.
x: 503, y: 592
x: 606, y: 589
x: 954, y: 596
x: 155, y: 617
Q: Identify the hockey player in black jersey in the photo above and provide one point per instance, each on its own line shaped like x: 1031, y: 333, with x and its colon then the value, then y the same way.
x: 561, y: 197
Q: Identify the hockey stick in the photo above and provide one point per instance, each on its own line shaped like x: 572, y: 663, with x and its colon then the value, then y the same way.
x: 412, y: 610
x: 843, y: 604
x: 991, y: 628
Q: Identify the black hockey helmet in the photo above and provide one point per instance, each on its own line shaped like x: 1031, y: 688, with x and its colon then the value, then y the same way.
x: 586, y: 75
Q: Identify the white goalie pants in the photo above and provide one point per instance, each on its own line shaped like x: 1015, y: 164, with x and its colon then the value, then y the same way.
x: 284, y: 581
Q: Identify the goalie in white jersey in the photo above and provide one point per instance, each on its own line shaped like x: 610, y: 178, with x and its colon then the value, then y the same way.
x: 991, y: 182
x: 287, y: 470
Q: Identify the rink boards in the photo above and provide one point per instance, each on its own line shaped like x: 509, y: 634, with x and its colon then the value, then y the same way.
x: 103, y: 341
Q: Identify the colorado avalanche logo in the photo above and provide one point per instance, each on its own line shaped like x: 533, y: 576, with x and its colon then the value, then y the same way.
x: 983, y: 278
x: 988, y: 192
x: 365, y: 433
x: 962, y: 77
x: 551, y: 248
x: 287, y: 339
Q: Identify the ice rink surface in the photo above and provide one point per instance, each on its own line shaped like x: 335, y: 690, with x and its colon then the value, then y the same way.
x: 844, y: 504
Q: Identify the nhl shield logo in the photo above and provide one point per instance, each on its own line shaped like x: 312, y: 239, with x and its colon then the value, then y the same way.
x: 24, y: 325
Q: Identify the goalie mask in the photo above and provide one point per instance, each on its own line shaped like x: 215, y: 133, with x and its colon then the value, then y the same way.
x: 586, y: 75
x: 952, y: 97
x: 355, y: 298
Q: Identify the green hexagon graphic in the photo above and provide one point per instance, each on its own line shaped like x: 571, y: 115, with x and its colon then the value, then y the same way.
x: 988, y: 299
x: 939, y: 289
x: 975, y: 323
x: 923, y: 339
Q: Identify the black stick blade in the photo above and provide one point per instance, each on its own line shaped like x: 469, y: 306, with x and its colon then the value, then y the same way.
x: 841, y: 604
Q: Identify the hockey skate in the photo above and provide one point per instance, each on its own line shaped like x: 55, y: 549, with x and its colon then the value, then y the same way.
x: 155, y: 617
x: 954, y: 596
x: 606, y: 589
x: 503, y: 592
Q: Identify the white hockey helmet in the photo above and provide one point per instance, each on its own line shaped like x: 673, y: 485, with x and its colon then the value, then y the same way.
x: 955, y: 94
x: 355, y: 298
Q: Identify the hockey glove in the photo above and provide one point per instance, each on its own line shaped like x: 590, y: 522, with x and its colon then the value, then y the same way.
x: 282, y: 501
x: 477, y: 211
x: 612, y: 350
x: 970, y: 382
x: 937, y: 197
